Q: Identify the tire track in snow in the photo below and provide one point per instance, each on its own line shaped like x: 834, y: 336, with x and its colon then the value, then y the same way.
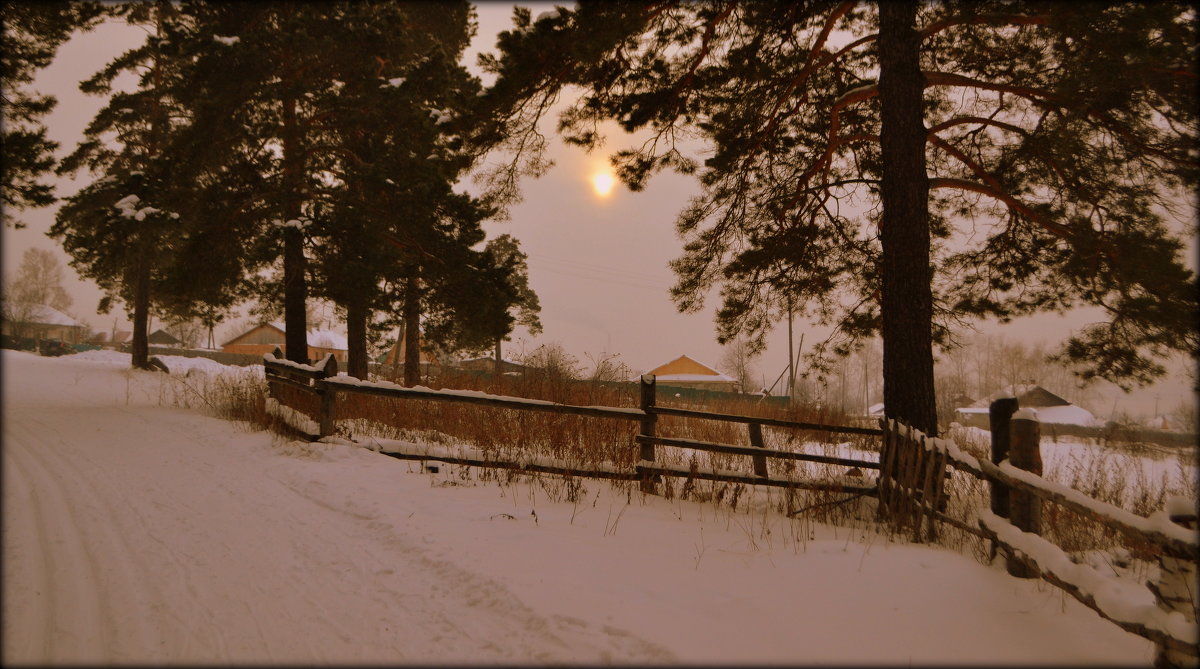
x: 73, y: 617
x: 512, y: 630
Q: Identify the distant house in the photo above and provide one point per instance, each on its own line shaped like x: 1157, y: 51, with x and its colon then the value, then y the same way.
x: 684, y: 372
x: 265, y: 337
x: 1050, y: 408
x: 163, y: 338
x: 43, y: 322
x: 488, y: 364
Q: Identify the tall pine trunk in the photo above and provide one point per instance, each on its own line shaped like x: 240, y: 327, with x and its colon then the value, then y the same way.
x: 295, y: 286
x: 140, y: 347
x: 412, y: 331
x: 906, y: 293
x: 356, y: 332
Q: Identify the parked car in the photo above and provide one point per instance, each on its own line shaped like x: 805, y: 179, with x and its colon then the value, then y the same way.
x: 54, y: 347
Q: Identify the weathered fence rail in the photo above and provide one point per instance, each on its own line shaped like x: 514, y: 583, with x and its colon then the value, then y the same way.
x: 322, y: 380
x: 911, y: 487
x: 909, y: 496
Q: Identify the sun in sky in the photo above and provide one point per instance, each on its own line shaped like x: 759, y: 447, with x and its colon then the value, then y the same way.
x: 603, y: 182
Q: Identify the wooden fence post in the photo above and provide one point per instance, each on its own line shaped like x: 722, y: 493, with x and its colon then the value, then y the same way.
x: 328, y: 396
x: 648, y: 394
x: 1025, y: 509
x: 1176, y: 587
x: 887, y: 459
x: 756, y: 440
x: 999, y: 416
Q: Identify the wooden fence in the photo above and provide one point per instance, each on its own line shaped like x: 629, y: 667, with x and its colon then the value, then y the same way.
x: 322, y: 381
x: 911, y: 487
x: 912, y: 496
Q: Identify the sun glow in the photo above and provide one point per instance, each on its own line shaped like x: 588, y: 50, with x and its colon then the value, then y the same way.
x: 602, y: 183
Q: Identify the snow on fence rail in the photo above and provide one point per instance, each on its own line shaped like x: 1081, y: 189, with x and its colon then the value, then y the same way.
x: 913, y: 463
x: 910, y: 487
x: 322, y: 380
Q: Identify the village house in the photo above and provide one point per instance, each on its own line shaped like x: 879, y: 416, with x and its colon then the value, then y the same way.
x: 163, y: 338
x: 1050, y: 408
x: 47, y: 323
x: 684, y: 372
x: 266, y: 337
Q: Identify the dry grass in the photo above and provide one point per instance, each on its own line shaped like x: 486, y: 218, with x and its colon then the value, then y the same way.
x: 1116, y: 476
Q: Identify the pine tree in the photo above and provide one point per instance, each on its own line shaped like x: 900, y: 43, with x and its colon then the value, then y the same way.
x: 897, y: 168
x: 119, y: 229
x: 29, y: 40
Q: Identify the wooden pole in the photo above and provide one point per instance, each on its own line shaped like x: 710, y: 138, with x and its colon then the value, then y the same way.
x: 1025, y: 509
x: 328, y: 396
x: 756, y: 440
x: 1176, y: 588
x: 648, y: 393
x: 999, y: 416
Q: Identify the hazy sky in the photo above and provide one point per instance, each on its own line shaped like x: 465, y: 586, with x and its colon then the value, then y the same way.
x: 598, y: 264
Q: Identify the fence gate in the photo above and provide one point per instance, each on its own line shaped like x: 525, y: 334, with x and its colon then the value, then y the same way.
x: 912, y: 479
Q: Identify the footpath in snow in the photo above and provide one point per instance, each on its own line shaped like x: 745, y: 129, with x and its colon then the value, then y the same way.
x: 135, y: 532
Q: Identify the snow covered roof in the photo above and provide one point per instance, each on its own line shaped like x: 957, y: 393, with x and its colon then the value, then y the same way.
x: 1058, y: 415
x: 319, y: 338
x: 46, y: 315
x: 328, y: 339
x: 1029, y: 395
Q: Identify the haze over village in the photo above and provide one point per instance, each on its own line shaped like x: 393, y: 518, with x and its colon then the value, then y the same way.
x: 666, y: 333
x: 599, y: 267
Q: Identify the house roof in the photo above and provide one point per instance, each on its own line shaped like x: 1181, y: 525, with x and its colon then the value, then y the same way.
x: 684, y: 368
x: 162, y: 336
x: 1028, y: 395
x: 318, y: 338
x: 42, y: 314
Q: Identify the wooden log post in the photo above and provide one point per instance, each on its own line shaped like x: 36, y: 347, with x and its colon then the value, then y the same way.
x: 1176, y: 588
x: 1025, y: 509
x: 756, y: 440
x: 328, y: 396
x: 999, y: 417
x: 887, y: 460
x: 648, y: 395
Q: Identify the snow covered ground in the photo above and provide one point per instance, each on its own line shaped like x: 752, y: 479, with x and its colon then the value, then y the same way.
x: 138, y: 532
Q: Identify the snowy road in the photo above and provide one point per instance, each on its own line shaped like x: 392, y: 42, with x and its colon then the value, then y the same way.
x: 135, y: 532
x: 129, y: 536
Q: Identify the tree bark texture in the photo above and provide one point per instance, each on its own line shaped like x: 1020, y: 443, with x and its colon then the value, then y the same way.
x: 295, y: 285
x: 140, y: 346
x: 356, y: 333
x: 412, y: 332
x: 906, y: 295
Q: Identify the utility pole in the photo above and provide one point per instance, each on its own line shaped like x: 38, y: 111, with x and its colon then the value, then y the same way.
x: 791, y: 365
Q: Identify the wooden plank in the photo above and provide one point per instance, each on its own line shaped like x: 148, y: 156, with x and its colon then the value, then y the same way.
x: 1169, y: 545
x: 1159, y: 637
x: 647, y: 396
x: 280, y: 368
x: 827, y: 486
x: 291, y: 382
x: 773, y: 422
x: 525, y: 467
x: 750, y: 450
x: 594, y: 412
x: 756, y: 440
